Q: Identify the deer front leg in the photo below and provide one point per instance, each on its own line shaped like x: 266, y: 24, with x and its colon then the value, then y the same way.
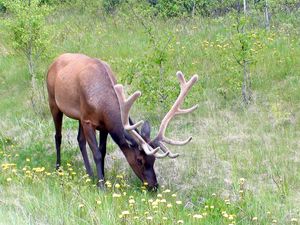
x: 102, y: 146
x: 82, y: 145
x: 90, y: 135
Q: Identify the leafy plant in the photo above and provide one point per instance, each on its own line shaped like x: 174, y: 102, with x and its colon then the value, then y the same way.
x: 29, y: 33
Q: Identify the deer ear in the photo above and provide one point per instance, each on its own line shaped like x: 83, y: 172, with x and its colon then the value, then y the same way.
x: 145, y: 131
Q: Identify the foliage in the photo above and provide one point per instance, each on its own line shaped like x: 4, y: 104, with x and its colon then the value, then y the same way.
x: 27, y: 28
x: 2, y: 6
x: 111, y: 5
x: 30, y: 36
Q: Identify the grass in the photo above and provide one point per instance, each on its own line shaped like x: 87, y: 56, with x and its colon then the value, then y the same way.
x: 242, y: 166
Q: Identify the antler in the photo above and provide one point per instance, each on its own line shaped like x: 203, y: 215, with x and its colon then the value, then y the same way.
x: 125, y: 105
x: 175, y: 110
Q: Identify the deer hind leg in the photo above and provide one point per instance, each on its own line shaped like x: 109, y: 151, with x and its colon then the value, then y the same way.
x: 90, y: 135
x: 102, y: 146
x: 82, y: 145
x: 57, y: 118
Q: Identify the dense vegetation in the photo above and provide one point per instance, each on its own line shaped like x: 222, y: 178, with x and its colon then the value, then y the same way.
x: 242, y: 166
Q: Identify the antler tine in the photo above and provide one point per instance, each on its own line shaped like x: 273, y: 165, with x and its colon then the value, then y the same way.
x: 125, y: 106
x: 166, y: 150
x: 185, y: 87
x: 172, y: 142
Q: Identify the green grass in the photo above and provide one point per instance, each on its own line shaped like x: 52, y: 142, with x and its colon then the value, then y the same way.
x: 259, y: 143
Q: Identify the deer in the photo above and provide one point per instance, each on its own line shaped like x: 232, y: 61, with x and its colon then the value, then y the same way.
x: 85, y: 89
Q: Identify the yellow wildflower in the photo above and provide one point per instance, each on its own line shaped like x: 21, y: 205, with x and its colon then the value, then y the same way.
x: 197, y: 216
x: 167, y: 191
x: 115, y: 195
x: 125, y: 212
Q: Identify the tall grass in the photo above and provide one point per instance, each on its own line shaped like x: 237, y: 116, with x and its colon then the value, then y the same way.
x: 243, y: 163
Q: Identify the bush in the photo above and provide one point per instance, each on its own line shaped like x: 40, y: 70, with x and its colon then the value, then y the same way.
x: 110, y: 6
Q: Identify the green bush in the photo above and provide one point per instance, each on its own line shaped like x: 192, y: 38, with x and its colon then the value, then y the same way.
x: 110, y: 6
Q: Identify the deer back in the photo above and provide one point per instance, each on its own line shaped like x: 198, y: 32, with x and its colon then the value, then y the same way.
x: 83, y: 89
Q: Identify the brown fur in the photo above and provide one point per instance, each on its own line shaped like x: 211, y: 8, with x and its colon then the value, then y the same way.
x: 82, y: 88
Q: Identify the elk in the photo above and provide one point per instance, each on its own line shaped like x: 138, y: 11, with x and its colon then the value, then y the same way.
x: 85, y: 89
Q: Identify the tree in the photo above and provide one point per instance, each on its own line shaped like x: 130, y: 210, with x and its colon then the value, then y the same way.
x: 29, y: 33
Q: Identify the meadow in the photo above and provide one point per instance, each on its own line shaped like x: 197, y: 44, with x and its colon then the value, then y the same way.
x: 242, y: 166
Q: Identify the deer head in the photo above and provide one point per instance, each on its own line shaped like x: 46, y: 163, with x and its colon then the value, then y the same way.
x: 148, y: 150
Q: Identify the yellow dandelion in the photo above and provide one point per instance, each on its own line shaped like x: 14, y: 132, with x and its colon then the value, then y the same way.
x: 197, y: 216
x: 274, y: 221
x: 115, y: 195
x: 117, y: 185
x: 230, y: 217
x: 212, y: 207
x: 169, y: 205
x: 8, y: 179
x: 254, y: 218
x: 131, y: 201
x: 179, y: 202
x: 87, y: 180
x: 180, y: 221
x: 27, y: 160
x: 164, y: 218
x: 163, y: 200
x: 294, y: 220
x: 167, y: 191
x: 68, y: 164
x: 126, y: 212
x: 120, y: 176
x: 149, y: 218
x: 159, y: 195
x: 73, y: 173
x: 155, y: 203
x: 174, y: 195
x: 98, y: 202
x: 143, y: 200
